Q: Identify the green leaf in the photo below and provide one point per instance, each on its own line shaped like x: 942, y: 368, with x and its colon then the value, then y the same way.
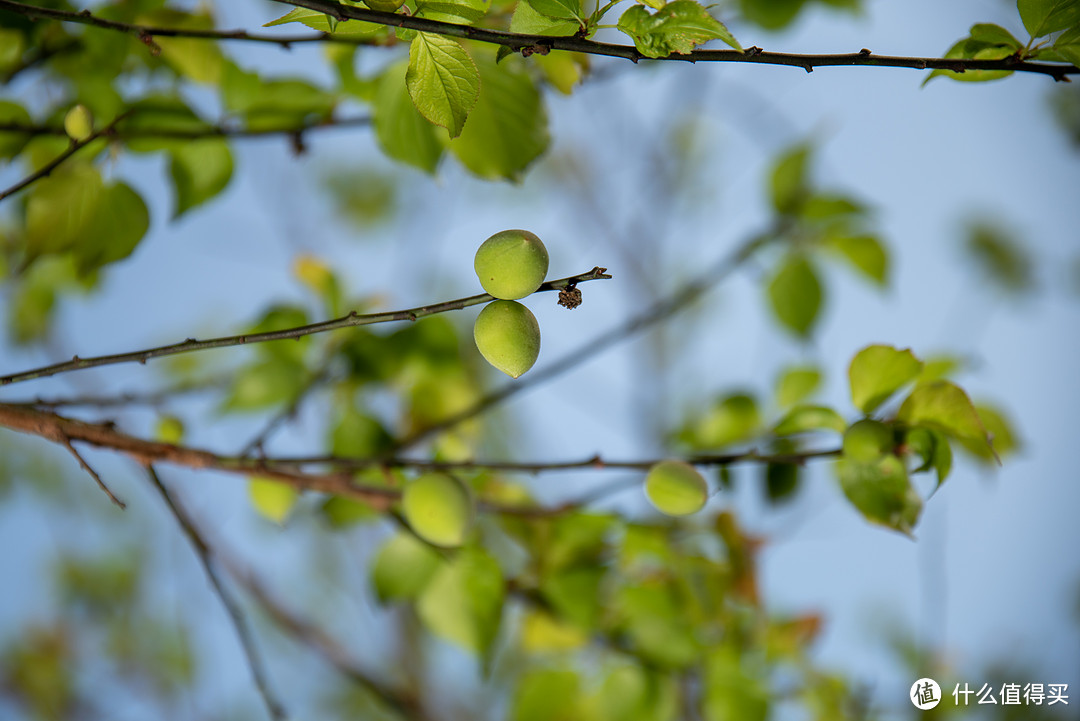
x: 730, y: 420
x: 677, y: 28
x: 530, y: 21
x: 546, y: 695
x: 795, y: 295
x: 866, y: 254
x: 12, y: 143
x: 881, y: 491
x: 732, y: 689
x: 771, y: 14
x: 878, y: 371
x: 272, y: 499
x: 968, y: 48
x: 994, y: 35
x: 442, y: 80
x: 801, y: 419
x: 166, y: 113
x: 944, y: 406
x: 460, y: 12
x: 507, y: 129
x: 463, y: 601
x: 1000, y: 258
x: 558, y: 9
x: 200, y: 169
x: 796, y: 384
x: 403, y: 567
x: 276, y: 104
x: 932, y: 448
x: 789, y: 181
x: 265, y: 383
x: 32, y: 303
x: 781, y: 481
x: 938, y: 367
x: 119, y: 223
x: 1001, y: 433
x: 194, y: 58
x: 322, y: 22
x: 61, y: 208
x: 402, y: 132
x: 656, y: 625
x: 358, y: 435
x: 827, y: 206
x: 1068, y: 45
x: 342, y: 511
x: 1042, y: 17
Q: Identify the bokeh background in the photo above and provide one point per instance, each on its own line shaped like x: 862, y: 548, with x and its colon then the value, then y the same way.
x: 653, y: 171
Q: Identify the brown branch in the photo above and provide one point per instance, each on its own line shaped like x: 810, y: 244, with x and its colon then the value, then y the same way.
x: 236, y: 614
x: 210, y: 131
x: 351, y: 320
x: 146, y: 33
x: 46, y: 169
x: 66, y: 442
x: 575, y: 43
x: 597, y: 345
x: 62, y: 430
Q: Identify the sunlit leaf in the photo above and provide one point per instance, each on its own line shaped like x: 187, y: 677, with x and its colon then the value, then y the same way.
x: 677, y: 28
x: 403, y: 567
x: 881, y: 491
x: 200, y: 169
x: 866, y: 254
x: 463, y: 600
x: 796, y: 384
x: 402, y: 132
x: 1042, y: 17
x: 795, y: 295
x: 272, y: 499
x: 442, y: 80
x: 945, y: 406
x: 801, y: 419
x: 878, y: 371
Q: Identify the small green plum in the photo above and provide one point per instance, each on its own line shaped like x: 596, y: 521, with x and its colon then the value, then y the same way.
x: 867, y: 441
x: 79, y: 123
x: 386, y: 6
x: 676, y: 488
x: 508, y: 336
x: 511, y: 264
x: 439, y: 509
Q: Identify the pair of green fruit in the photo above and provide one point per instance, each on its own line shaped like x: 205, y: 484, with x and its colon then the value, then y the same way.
x: 510, y: 264
x: 440, y: 509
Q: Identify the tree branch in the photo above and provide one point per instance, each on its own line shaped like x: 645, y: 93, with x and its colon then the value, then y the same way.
x: 66, y: 442
x: 236, y: 614
x: 593, y: 347
x: 574, y: 43
x: 146, y: 33
x: 340, y: 482
x: 76, y: 146
x: 351, y: 320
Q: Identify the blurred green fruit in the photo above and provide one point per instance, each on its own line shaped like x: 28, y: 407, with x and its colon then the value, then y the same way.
x: 508, y: 336
x: 676, y: 488
x: 511, y: 264
x: 170, y: 429
x: 79, y: 123
x: 867, y: 441
x: 438, y: 508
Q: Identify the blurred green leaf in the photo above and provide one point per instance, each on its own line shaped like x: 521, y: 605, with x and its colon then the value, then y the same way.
x: 866, y: 254
x: 729, y: 420
x: 1000, y: 430
x: 200, y: 169
x: 321, y: 21
x: 946, y: 407
x: 403, y: 567
x: 12, y: 143
x: 61, y: 208
x: 508, y: 128
x: 781, y: 481
x: 463, y: 601
x: 402, y: 132
x: 442, y: 80
x: 1000, y: 258
x: 265, y: 383
x: 733, y: 688
x: 801, y: 419
x: 119, y: 223
x: 194, y: 58
x: 932, y: 448
x: 795, y: 295
x: 878, y: 371
x: 881, y: 491
x: 796, y: 384
x: 789, y: 182
x: 654, y: 622
x: 547, y: 695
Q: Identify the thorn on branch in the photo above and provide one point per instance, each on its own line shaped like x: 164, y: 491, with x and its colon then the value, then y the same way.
x: 865, y: 53
x: 752, y: 51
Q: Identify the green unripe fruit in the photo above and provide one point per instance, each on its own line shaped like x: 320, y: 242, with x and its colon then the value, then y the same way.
x: 386, y: 6
x: 867, y: 441
x: 511, y: 264
x: 439, y: 509
x: 508, y: 336
x: 79, y: 123
x: 676, y: 488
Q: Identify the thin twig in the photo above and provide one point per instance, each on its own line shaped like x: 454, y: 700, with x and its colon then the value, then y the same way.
x: 287, y: 413
x: 351, y: 320
x: 318, y: 640
x: 128, y: 398
x: 46, y: 169
x: 243, y: 631
x: 576, y: 43
x: 146, y: 33
x: 93, y: 474
x: 598, y: 344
